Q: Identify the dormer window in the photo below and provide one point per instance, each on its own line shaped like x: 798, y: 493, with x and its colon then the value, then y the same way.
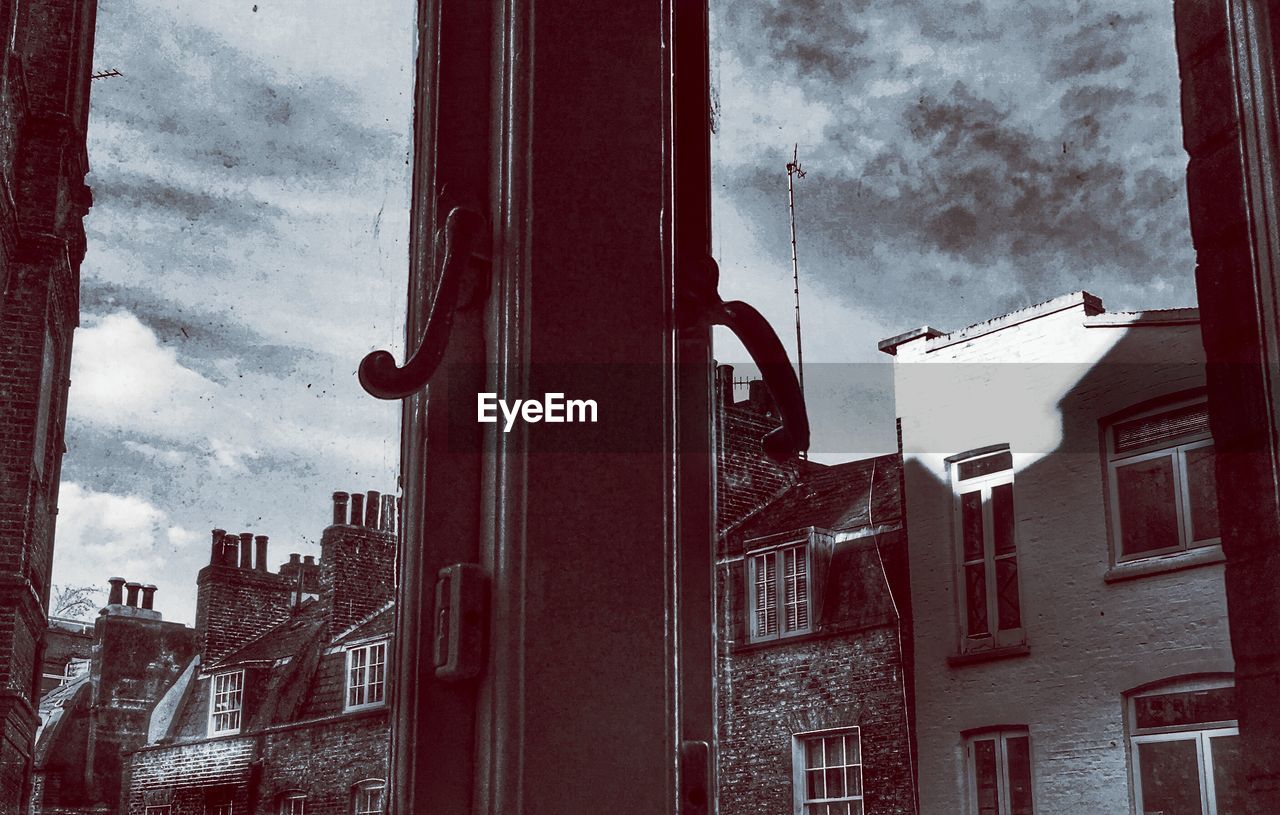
x: 366, y: 675
x: 778, y: 592
x: 226, y: 703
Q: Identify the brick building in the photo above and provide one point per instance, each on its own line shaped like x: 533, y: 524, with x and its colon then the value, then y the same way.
x: 283, y: 706
x: 1071, y: 638
x: 814, y: 622
x: 68, y: 651
x: 45, y: 50
x: 90, y: 721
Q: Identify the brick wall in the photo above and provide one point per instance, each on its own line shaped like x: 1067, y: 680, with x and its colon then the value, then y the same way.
x: 357, y: 564
x: 235, y: 605
x: 1043, y: 386
x: 43, y: 110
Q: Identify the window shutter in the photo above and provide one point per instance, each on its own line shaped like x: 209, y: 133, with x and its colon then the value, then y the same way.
x: 737, y: 593
x: 1161, y: 428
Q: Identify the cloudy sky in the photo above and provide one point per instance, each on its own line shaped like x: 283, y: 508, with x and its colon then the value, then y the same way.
x: 247, y: 241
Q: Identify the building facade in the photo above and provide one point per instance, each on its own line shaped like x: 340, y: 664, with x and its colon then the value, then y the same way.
x: 813, y: 624
x: 283, y: 708
x: 45, y: 51
x: 1071, y: 639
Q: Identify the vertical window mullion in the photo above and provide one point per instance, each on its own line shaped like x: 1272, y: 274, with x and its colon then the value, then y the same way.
x: 989, y: 564
x: 1204, y: 758
x: 1183, y: 500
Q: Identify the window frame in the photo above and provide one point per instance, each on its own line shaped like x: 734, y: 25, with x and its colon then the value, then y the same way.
x: 800, y: 769
x: 367, y: 786
x: 1176, y: 449
x: 287, y: 801
x: 238, y: 710
x: 158, y: 809
x: 348, y: 687
x: 1202, y: 733
x: 776, y: 551
x: 996, y: 637
x: 1001, y: 736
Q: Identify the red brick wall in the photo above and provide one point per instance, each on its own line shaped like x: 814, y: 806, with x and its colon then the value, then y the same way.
x: 357, y: 573
x: 235, y: 605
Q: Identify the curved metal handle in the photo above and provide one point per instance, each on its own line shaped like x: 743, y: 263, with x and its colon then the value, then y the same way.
x: 379, y: 374
x: 702, y: 297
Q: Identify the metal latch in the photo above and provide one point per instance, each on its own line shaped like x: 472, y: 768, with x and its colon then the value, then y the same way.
x: 462, y: 595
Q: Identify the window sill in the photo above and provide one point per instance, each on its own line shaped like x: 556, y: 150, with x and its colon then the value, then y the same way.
x: 988, y: 655
x: 1130, y: 570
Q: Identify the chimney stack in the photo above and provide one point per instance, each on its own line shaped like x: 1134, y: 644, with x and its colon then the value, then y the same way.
x: 116, y: 597
x: 371, y: 509
x: 340, y: 507
x: 132, y: 589
x: 261, y: 555
x: 246, y: 550
x: 387, y: 521
x: 357, y: 561
x: 148, y: 596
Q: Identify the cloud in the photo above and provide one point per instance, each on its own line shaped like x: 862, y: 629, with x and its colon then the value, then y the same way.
x: 967, y: 163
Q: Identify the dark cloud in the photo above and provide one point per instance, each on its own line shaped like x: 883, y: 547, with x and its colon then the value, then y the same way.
x: 164, y: 198
x: 1041, y: 157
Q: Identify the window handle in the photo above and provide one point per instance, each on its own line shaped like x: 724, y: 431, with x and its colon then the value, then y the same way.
x: 700, y: 303
x: 379, y: 374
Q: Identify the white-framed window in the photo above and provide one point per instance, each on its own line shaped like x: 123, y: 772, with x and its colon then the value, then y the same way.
x: 220, y: 809
x: 778, y: 595
x: 293, y: 803
x: 226, y: 702
x: 1000, y: 772
x: 987, y: 551
x: 827, y: 772
x: 1160, y: 468
x: 162, y: 809
x: 367, y: 797
x: 366, y: 675
x: 1185, y: 749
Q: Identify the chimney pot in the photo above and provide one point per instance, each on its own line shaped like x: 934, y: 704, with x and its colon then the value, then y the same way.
x: 371, y: 509
x: 148, y: 596
x: 309, y: 560
x: 340, y: 508
x: 386, y: 521
x: 246, y: 550
x: 132, y: 589
x: 261, y: 555
x: 215, y: 556
x: 294, y: 558
x: 357, y: 509
x: 230, y: 545
x: 116, y: 597
x: 726, y: 384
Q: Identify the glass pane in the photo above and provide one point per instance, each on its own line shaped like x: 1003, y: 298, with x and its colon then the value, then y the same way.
x: 1188, y: 707
x: 1202, y: 489
x: 1148, y: 516
x: 1170, y: 777
x: 813, y: 753
x: 835, y: 751
x: 852, y: 749
x: 835, y: 783
x: 853, y: 780
x: 984, y: 765
x: 975, y: 578
x: 971, y: 524
x: 985, y: 465
x: 814, y: 784
x: 1002, y: 518
x: 1010, y: 616
x: 1228, y: 774
x: 1019, y: 751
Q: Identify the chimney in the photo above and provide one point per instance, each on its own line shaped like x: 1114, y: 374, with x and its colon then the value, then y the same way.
x: 246, y: 550
x: 356, y: 564
x: 215, y: 556
x: 387, y: 520
x: 116, y: 597
x: 148, y: 596
x: 725, y: 381
x: 340, y: 507
x: 357, y: 509
x: 236, y: 602
x: 261, y: 555
x: 132, y: 589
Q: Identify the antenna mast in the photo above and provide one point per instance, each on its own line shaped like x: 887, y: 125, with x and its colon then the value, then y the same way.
x: 794, y: 170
